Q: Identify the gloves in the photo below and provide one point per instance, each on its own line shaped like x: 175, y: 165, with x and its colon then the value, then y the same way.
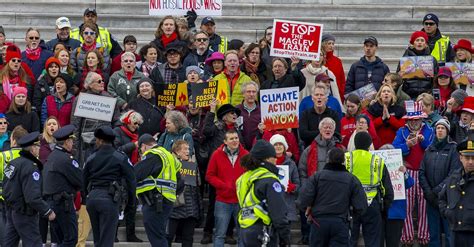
x: 291, y: 187
x: 432, y: 199
x: 191, y: 16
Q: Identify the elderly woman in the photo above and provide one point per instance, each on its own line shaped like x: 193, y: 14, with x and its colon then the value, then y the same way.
x: 4, y: 134
x: 89, y: 34
x: 35, y: 55
x: 167, y: 35
x: 177, y: 128
x: 281, y: 78
x: 45, y: 85
x: 253, y: 65
x: 59, y: 104
x: 214, y: 64
x: 20, y: 112
x: 386, y: 114
x: 94, y: 63
x: 362, y: 124
x: 149, y: 54
x: 123, y: 83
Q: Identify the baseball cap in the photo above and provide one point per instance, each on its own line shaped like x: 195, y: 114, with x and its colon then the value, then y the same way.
x: 371, y: 39
x: 207, y: 19
x: 90, y: 10
x: 63, y: 22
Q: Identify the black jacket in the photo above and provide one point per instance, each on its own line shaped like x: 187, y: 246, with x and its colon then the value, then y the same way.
x: 61, y: 173
x: 293, y: 79
x: 359, y: 74
x: 151, y: 114
x: 331, y: 192
x: 309, y: 122
x: 28, y: 121
x: 182, y: 45
x: 43, y: 88
x: 214, y: 133
x: 123, y: 142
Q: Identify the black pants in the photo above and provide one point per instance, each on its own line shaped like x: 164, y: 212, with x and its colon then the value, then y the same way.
x: 329, y: 231
x: 65, y: 224
x: 209, y: 226
x: 252, y: 236
x: 130, y: 213
x: 104, y: 214
x: 462, y: 239
x: 24, y: 227
x: 186, y: 226
x: 371, y: 223
x: 155, y: 223
x: 392, y: 232
x: 44, y: 227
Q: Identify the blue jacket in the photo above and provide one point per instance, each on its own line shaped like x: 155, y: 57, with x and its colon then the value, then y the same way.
x: 398, y: 209
x: 167, y: 139
x: 332, y: 103
x: 402, y: 136
x: 38, y: 65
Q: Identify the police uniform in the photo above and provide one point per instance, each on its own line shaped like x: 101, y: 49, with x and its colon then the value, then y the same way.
x: 158, y: 183
x: 5, y: 158
x: 22, y: 194
x: 103, y: 172
x: 62, y: 179
x: 456, y: 201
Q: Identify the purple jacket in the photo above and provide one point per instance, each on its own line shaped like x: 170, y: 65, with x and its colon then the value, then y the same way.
x: 45, y: 150
x: 250, y: 121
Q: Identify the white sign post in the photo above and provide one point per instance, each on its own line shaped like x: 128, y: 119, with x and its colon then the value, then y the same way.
x: 393, y: 160
x: 95, y: 106
x: 180, y: 7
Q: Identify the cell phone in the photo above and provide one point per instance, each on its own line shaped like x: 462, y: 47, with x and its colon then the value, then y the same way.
x: 436, y: 94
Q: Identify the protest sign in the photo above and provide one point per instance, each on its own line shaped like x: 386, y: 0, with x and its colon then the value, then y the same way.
x: 393, y: 160
x: 180, y: 7
x: 294, y: 38
x: 203, y: 93
x: 188, y: 172
x: 417, y: 67
x: 463, y: 73
x: 279, y: 108
x: 95, y: 107
x: 223, y: 92
x: 172, y: 94
x: 284, y: 175
x: 366, y: 94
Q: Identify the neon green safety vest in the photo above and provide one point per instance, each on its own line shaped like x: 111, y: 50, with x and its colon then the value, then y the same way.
x: 5, y: 158
x: 166, y: 182
x: 103, y: 38
x: 368, y: 169
x: 440, y: 49
x: 251, y: 207
x: 223, y: 45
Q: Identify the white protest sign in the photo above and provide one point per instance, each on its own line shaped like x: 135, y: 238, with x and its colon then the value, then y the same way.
x: 180, y: 7
x: 279, y: 108
x: 95, y: 106
x: 284, y: 175
x: 393, y: 160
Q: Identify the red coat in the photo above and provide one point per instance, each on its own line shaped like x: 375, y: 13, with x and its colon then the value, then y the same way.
x: 290, y: 140
x: 64, y: 114
x: 387, y: 132
x: 334, y: 64
x: 4, y: 103
x: 222, y: 174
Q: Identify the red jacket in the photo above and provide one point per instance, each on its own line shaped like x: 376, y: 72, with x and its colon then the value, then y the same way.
x: 222, y: 174
x: 334, y: 64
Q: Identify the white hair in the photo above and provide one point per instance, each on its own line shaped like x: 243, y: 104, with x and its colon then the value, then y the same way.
x: 327, y: 120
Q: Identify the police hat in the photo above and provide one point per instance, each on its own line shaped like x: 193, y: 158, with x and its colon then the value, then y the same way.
x: 29, y: 139
x: 466, y: 147
x: 64, y: 133
x: 105, y: 133
x: 145, y: 138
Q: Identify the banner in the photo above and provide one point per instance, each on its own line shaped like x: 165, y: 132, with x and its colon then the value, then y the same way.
x: 175, y: 94
x: 463, y: 73
x: 279, y: 108
x: 393, y: 160
x: 189, y: 173
x: 366, y: 94
x: 223, y: 92
x: 294, y: 38
x: 203, y: 93
x: 417, y: 67
x: 180, y: 7
x: 95, y: 107
x: 284, y: 175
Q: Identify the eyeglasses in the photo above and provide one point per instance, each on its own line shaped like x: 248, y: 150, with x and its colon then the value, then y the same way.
x: 34, y: 38
x: 100, y: 81
x: 89, y: 33
x: 128, y: 61
x: 5, y: 123
x: 429, y: 23
x: 136, y: 124
x: 443, y: 77
x: 15, y: 60
x: 202, y: 39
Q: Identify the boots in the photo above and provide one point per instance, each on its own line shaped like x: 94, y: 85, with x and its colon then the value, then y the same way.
x: 206, y: 238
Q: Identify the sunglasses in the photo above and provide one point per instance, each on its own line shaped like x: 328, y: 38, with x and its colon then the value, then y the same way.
x: 128, y: 61
x: 34, y: 38
x: 3, y: 123
x: 429, y: 23
x: 15, y: 60
x: 136, y: 124
x: 89, y: 33
x: 202, y: 40
x: 99, y: 81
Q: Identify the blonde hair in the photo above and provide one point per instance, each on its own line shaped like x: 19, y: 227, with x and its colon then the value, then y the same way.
x: 46, y: 136
x: 394, y: 95
x: 427, y: 100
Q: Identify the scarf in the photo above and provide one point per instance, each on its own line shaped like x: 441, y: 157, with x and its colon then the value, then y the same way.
x: 280, y: 160
x: 314, y: 71
x: 147, y: 68
x: 251, y: 70
x: 33, y: 54
x: 87, y: 48
x: 8, y: 83
x: 129, y: 75
x: 439, y: 144
x: 166, y: 40
x: 134, y: 138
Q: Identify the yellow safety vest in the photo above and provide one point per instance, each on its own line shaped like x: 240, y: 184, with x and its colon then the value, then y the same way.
x: 251, y: 207
x: 166, y: 182
x: 223, y: 45
x: 5, y: 158
x: 440, y: 49
x: 103, y: 38
x: 368, y: 169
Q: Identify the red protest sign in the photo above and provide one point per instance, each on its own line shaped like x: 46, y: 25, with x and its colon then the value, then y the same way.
x: 294, y: 38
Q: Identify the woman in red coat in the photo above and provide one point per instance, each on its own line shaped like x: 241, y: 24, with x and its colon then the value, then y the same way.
x: 60, y: 103
x: 333, y: 63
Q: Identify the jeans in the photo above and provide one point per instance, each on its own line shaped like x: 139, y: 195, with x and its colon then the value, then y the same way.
x: 223, y: 212
x: 155, y: 223
x: 437, y: 225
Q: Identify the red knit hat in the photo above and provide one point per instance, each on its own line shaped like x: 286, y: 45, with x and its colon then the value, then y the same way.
x: 418, y: 34
x: 20, y: 90
x: 464, y: 44
x: 50, y: 61
x: 12, y: 52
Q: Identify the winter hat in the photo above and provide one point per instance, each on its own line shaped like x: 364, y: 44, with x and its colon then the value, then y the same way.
x: 143, y: 80
x: 12, y: 52
x: 444, y: 71
x: 464, y: 44
x: 445, y: 123
x: 328, y: 37
x: 431, y: 17
x: 468, y: 104
x: 235, y: 44
x: 105, y: 133
x: 214, y: 56
x: 262, y: 150
x: 67, y: 78
x: 364, y: 117
x: 362, y: 140
x: 414, y: 110
x: 145, y: 138
x: 20, y: 90
x: 224, y: 109
x: 459, y: 95
x: 2, y: 31
x: 277, y: 138
x: 189, y: 69
x: 418, y: 34
x: 50, y: 61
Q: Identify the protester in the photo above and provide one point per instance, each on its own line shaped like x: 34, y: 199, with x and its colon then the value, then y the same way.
x: 4, y: 133
x: 36, y: 53
x: 312, y: 71
x: 166, y: 35
x: 281, y: 78
x: 63, y: 29
x: 177, y: 128
x: 332, y: 62
x: 20, y: 112
x: 444, y: 82
x: 253, y: 65
x: 428, y: 104
x: 45, y: 85
x: 214, y: 64
x: 59, y: 104
x: 395, y: 81
x: 94, y: 63
x: 149, y: 54
x: 251, y: 113
x: 129, y: 45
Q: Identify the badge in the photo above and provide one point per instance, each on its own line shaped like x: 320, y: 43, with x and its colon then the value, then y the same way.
x: 36, y: 176
x: 277, y: 187
x: 75, y: 164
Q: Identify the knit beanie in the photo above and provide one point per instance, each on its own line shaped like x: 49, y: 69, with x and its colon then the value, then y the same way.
x: 20, y: 90
x: 362, y: 140
x: 262, y: 150
x: 328, y: 37
x: 67, y: 78
x: 50, y: 61
x: 235, y: 44
x: 431, y: 17
x: 445, y: 123
x: 277, y: 138
x: 418, y: 34
x: 144, y: 80
x: 191, y: 68
x: 364, y: 117
x: 459, y: 95
x: 12, y: 52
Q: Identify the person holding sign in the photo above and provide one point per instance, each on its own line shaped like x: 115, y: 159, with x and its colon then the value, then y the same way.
x: 440, y: 160
x: 253, y: 65
x: 283, y: 79
x: 443, y: 87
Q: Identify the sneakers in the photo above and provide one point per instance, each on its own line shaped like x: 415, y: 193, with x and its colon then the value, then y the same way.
x: 207, y: 238
x: 134, y: 239
x: 230, y: 240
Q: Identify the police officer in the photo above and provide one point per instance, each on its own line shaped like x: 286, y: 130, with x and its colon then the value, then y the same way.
x: 330, y: 193
x: 103, y: 172
x: 457, y: 198
x: 261, y: 199
x: 158, y: 182
x: 371, y: 171
x: 62, y: 179
x: 22, y: 193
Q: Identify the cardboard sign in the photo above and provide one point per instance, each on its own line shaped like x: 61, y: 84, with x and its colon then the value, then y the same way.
x: 175, y: 94
x: 284, y: 175
x: 294, y: 38
x: 223, y: 92
x: 180, y: 7
x: 95, y: 106
x: 189, y: 172
x: 463, y: 73
x: 366, y: 94
x: 393, y: 160
x: 203, y: 93
x: 279, y: 108
x: 417, y: 67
